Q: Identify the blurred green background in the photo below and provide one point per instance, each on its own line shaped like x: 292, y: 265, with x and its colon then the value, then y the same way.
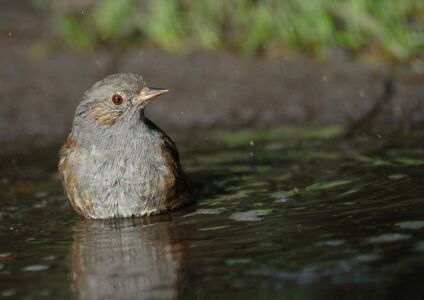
x: 377, y: 30
x: 240, y: 63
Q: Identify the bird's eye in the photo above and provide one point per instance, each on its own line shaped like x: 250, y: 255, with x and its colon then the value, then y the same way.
x: 117, y: 99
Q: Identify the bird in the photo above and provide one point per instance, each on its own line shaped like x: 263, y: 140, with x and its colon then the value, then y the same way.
x: 115, y: 162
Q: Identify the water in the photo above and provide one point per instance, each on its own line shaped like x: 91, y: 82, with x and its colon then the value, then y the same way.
x: 281, y: 214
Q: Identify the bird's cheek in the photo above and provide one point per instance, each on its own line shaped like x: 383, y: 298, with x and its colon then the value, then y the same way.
x: 104, y: 115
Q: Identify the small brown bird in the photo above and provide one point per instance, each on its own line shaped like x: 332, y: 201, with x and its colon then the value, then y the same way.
x: 115, y: 162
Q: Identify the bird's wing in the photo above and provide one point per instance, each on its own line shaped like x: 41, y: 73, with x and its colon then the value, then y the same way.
x: 179, y: 185
x: 169, y: 148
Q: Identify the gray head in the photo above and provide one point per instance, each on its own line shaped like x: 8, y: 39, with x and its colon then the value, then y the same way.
x: 111, y: 104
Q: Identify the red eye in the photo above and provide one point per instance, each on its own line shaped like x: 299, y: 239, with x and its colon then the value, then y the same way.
x: 117, y: 99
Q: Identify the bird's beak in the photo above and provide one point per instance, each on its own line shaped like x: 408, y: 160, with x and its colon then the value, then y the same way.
x: 148, y: 93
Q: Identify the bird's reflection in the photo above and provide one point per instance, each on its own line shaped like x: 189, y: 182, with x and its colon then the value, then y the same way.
x: 125, y: 259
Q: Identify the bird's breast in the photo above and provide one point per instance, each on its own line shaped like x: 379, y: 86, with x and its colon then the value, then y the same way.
x: 119, y: 178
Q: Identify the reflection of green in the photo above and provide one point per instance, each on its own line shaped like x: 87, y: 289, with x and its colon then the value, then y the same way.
x: 376, y: 161
x: 244, y: 137
x: 327, y: 185
x: 264, y: 212
x: 224, y: 156
x: 387, y: 238
x: 373, y: 160
x: 305, y: 154
x: 250, y: 215
x: 351, y: 191
x: 409, y: 161
x: 286, y: 194
x: 214, y: 228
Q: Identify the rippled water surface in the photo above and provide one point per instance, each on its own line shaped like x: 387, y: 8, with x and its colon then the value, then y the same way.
x: 281, y: 214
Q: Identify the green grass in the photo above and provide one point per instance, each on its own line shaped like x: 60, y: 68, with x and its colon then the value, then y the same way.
x: 388, y: 29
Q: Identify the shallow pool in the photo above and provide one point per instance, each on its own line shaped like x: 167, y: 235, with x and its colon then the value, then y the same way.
x: 284, y: 213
